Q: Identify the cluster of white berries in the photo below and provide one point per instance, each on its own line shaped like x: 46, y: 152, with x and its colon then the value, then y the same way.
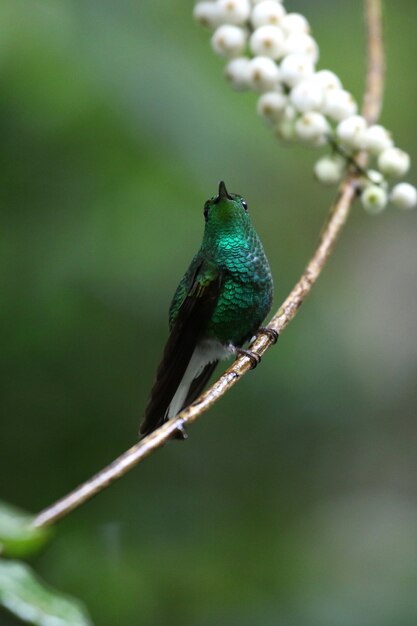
x: 273, y: 53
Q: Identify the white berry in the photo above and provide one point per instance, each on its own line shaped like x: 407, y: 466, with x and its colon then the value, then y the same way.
x: 377, y: 178
x: 237, y: 73
x: 302, y: 43
x: 327, y: 80
x: 351, y: 132
x: 286, y: 130
x: 295, y: 68
x: 264, y: 74
x: 295, y: 23
x: 394, y: 162
x: 271, y: 106
x: 267, y: 41
x: 207, y: 14
x: 404, y: 196
x: 374, y: 199
x: 339, y: 104
x: 267, y: 12
x: 329, y: 169
x: 307, y: 96
x: 234, y: 11
x: 312, y: 128
x: 377, y: 139
x: 228, y: 41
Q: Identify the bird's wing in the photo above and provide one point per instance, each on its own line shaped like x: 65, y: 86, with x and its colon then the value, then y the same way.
x: 187, y: 328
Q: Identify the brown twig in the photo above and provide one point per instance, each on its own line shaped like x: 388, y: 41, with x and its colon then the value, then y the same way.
x: 287, y: 311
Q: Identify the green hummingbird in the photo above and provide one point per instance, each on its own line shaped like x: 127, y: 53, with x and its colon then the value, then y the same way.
x: 219, y: 305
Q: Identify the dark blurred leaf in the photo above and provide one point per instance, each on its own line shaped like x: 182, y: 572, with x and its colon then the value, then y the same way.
x: 17, y: 536
x: 26, y: 597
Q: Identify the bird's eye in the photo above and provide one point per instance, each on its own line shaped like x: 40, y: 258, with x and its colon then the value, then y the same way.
x: 206, y: 210
x: 245, y: 205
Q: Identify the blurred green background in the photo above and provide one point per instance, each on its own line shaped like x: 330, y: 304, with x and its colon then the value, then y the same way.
x: 294, y: 501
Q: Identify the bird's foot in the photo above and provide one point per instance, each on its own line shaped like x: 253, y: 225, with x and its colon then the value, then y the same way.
x: 180, y: 433
x: 269, y: 332
x: 254, y: 358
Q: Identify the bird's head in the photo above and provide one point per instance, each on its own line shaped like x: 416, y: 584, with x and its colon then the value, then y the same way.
x: 225, y: 211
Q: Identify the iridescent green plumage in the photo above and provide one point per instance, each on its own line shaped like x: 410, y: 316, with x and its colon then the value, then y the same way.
x: 219, y: 305
x: 231, y: 246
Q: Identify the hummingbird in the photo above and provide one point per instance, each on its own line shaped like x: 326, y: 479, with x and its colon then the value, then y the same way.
x: 219, y: 305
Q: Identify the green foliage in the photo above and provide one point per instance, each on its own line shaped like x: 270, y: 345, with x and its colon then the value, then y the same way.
x: 24, y: 595
x: 17, y: 537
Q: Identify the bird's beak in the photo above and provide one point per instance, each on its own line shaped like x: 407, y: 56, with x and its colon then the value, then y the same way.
x: 223, y: 193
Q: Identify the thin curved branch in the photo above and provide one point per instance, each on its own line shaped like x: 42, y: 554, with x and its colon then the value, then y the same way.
x: 287, y: 311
